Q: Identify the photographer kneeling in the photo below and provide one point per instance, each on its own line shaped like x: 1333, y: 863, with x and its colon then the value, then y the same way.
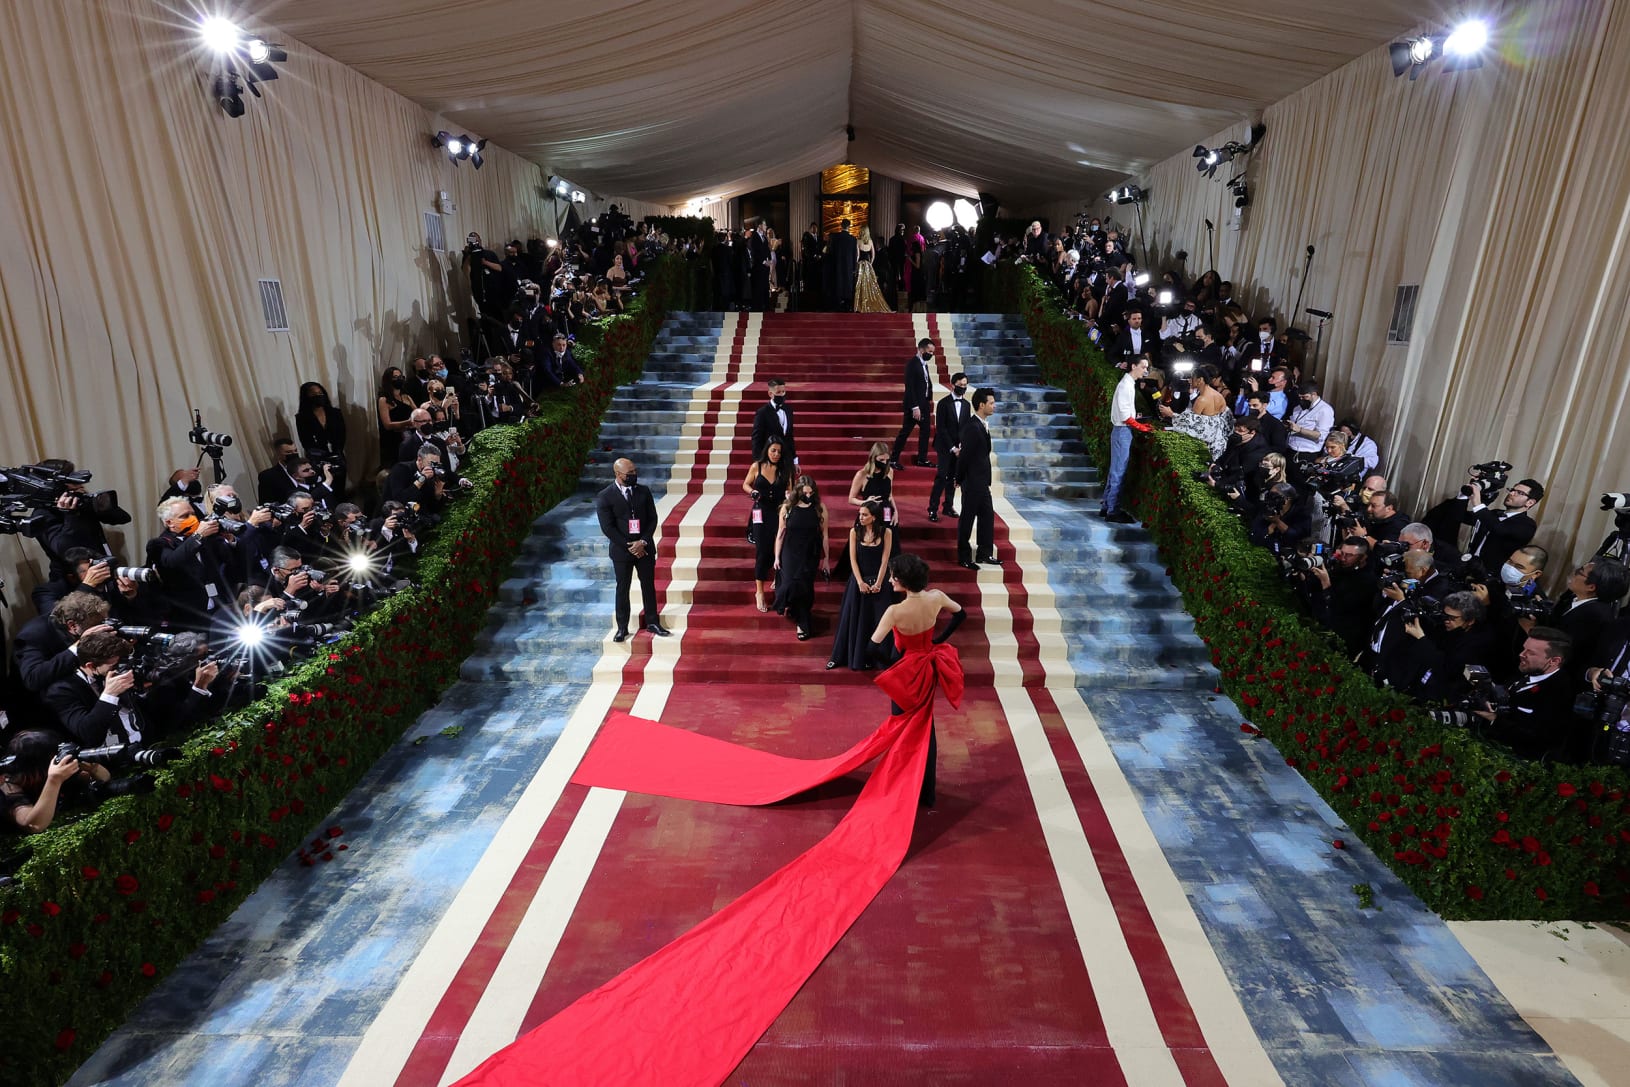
x: 38, y: 777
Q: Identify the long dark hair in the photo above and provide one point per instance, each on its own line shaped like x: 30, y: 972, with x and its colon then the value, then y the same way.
x: 879, y: 526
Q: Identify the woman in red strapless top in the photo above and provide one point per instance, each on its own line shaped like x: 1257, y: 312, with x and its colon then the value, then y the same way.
x: 925, y: 661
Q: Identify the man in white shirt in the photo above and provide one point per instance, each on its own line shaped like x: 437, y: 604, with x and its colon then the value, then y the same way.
x: 1182, y: 323
x: 1123, y: 420
x: 1311, y: 420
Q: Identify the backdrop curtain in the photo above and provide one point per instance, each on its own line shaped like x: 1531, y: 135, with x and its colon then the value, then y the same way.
x: 803, y: 208
x: 885, y: 210
x: 1504, y: 194
x: 136, y: 219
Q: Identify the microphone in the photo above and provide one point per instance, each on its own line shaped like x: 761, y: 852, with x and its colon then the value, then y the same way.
x: 1208, y: 224
x: 1310, y: 251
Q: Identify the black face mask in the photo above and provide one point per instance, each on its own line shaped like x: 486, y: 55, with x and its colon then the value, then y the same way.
x: 397, y: 382
x: 630, y: 479
x: 778, y: 400
x: 961, y: 390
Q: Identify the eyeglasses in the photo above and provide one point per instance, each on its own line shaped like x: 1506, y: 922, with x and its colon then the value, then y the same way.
x: 1519, y: 494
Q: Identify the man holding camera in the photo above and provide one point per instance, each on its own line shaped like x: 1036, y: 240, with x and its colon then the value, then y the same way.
x: 394, y: 540
x: 628, y: 519
x: 1537, y: 718
x: 486, y: 276
x: 47, y: 646
x: 77, y: 519
x: 1382, y: 521
x: 1441, y: 657
x: 100, y: 704
x: 1343, y: 592
x: 1595, y: 590
x: 195, y: 564
x: 304, y: 589
x: 1500, y: 532
x: 419, y: 480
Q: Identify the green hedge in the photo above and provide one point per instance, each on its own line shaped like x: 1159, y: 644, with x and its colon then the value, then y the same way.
x: 108, y: 903
x: 1474, y: 831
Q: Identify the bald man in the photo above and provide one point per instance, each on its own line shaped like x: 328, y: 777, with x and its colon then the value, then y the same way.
x: 628, y: 518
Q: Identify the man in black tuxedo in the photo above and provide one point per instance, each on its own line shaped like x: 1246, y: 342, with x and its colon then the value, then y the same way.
x: 758, y: 247
x: 841, y: 260
x: 917, y: 405
x: 1589, y: 608
x: 1135, y: 341
x: 98, y: 704
x: 973, y: 475
x: 557, y: 366
x: 1266, y: 352
x: 1500, y: 532
x: 774, y: 420
x: 1540, y: 719
x: 723, y: 256
x: 951, y: 412
x: 810, y: 274
x: 628, y: 518
x: 274, y: 485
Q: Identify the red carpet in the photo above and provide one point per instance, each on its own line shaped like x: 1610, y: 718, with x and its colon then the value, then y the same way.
x: 966, y: 967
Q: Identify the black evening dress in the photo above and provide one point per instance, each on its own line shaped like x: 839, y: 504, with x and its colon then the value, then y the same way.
x: 879, y: 488
x: 859, y: 615
x: 800, y: 559
x: 767, y: 498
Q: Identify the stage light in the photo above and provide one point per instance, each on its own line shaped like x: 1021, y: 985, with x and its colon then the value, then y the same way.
x: 459, y: 148
x: 579, y: 197
x: 1164, y: 298
x: 1467, y: 40
x: 1141, y: 279
x: 251, y: 635
x: 967, y: 216
x: 1129, y: 194
x: 562, y: 189
x: 228, y: 94
x: 939, y: 215
x: 1421, y: 50
x: 220, y: 35
x: 259, y: 51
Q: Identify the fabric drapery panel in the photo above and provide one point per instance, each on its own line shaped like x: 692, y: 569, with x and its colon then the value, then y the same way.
x: 885, y: 209
x: 803, y: 208
x: 674, y: 99
x: 136, y: 219
x: 1503, y: 193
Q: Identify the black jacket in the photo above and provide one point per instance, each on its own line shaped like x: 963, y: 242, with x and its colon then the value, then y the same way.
x: 83, y: 714
x: 1495, y: 537
x: 919, y: 385
x: 189, y: 566
x: 973, y: 463
x: 615, y: 512
x: 42, y: 653
x: 319, y: 438
x: 274, y: 485
x: 1123, y: 349
x: 1442, y: 660
x: 1585, y: 625
x: 947, y: 427
x: 767, y: 425
x: 1540, y: 719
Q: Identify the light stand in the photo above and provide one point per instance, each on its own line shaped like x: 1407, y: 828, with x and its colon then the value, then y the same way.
x: 1318, y: 342
x: 1211, y: 240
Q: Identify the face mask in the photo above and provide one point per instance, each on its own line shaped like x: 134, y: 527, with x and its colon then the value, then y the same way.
x: 440, y: 375
x: 1265, y: 337
x: 630, y: 479
x: 396, y: 382
x: 1510, y: 575
x: 778, y: 400
x: 883, y: 462
x: 187, y: 524
x: 961, y: 389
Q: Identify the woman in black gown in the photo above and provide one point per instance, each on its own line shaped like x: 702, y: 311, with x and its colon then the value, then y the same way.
x: 868, y: 595
x: 874, y: 482
x: 800, y: 550
x: 767, y: 484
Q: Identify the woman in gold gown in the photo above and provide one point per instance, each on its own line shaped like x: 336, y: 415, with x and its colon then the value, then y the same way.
x: 868, y: 295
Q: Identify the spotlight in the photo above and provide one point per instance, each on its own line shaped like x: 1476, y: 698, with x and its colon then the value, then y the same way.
x: 1141, y: 279
x: 220, y: 35
x: 251, y: 635
x: 967, y: 216
x: 261, y: 51
x: 228, y: 94
x: 459, y: 148
x: 578, y: 196
x: 939, y: 215
x: 1129, y: 194
x: 1468, y: 39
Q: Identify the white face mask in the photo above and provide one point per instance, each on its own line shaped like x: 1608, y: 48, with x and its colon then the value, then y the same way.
x: 1510, y: 575
x: 1265, y: 337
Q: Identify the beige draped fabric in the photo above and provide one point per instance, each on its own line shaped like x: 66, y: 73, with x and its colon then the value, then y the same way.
x: 1504, y: 194
x: 885, y: 209
x: 803, y: 208
x: 136, y: 219
x: 674, y: 99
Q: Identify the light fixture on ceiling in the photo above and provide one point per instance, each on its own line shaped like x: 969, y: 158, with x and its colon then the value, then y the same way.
x: 460, y: 147
x: 1212, y: 157
x: 939, y: 215
x: 967, y: 216
x: 1460, y: 48
x: 558, y: 186
x: 240, y: 62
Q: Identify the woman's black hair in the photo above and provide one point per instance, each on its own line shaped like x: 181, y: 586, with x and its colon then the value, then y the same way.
x: 910, y: 571
x: 33, y: 749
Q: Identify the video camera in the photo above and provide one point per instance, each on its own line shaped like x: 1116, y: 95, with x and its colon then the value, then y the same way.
x: 113, y: 755
x: 1604, y: 708
x: 1491, y: 476
x: 1303, y: 561
x: 1482, y: 695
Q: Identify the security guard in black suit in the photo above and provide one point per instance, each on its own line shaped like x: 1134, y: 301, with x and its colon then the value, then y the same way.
x: 973, y: 475
x: 628, y: 518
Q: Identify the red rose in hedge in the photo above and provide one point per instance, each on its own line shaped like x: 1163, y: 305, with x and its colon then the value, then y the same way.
x: 1475, y: 893
x: 148, y: 969
x: 65, y: 1038
x: 126, y: 885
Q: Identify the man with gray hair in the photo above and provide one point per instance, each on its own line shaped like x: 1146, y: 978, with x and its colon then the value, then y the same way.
x: 194, y: 565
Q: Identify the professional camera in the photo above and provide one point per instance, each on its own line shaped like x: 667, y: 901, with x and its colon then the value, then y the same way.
x: 1482, y: 695
x: 206, y: 438
x: 42, y: 486
x: 472, y: 243
x: 314, y: 575
x: 280, y: 510
x: 113, y: 755
x: 19, y: 518
x: 408, y: 516
x: 1327, y: 479
x: 1389, y: 553
x: 1303, y: 561
x: 1491, y: 475
x: 140, y: 574
x: 1532, y: 606
x: 1604, y: 707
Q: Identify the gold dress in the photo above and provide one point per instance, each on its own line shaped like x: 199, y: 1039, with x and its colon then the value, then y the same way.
x: 868, y: 295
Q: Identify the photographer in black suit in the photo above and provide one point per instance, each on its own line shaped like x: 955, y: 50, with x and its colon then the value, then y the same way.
x: 1539, y: 718
x: 628, y: 519
x: 774, y: 420
x: 916, y: 405
x: 974, y: 476
x: 1500, y: 532
x: 949, y: 415
x: 100, y: 702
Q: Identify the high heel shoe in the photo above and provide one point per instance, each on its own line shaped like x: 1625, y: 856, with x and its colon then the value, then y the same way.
x: 831, y: 665
x: 803, y: 635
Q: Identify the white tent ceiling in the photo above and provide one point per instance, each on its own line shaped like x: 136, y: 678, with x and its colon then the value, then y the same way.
x: 669, y: 100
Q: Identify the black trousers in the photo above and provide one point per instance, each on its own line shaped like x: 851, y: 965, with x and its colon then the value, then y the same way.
x: 979, y: 514
x: 944, y: 484
x: 926, y: 797
x: 922, y: 423
x: 626, y: 566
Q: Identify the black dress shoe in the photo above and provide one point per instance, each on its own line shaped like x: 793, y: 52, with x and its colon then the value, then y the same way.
x: 895, y: 465
x: 924, y: 462
x: 620, y: 636
x: 990, y: 561
x: 932, y: 516
x: 658, y: 629
x: 1120, y: 517
x: 969, y: 565
x: 950, y: 512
